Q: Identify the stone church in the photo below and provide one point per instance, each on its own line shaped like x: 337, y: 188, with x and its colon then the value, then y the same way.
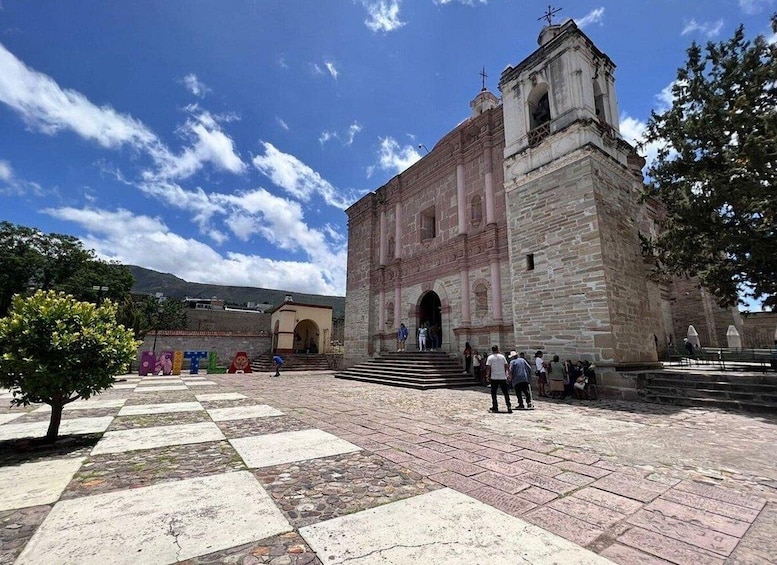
x: 521, y: 228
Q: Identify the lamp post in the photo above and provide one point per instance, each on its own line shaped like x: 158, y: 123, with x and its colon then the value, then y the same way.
x: 422, y: 146
x: 159, y: 309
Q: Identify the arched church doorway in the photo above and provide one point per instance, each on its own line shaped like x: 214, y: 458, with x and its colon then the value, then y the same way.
x: 306, y: 337
x: 430, y: 312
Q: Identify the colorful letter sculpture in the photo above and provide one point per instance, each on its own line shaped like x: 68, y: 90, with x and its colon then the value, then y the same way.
x: 213, y: 360
x: 195, y: 357
x: 147, y: 363
x: 240, y: 364
x: 164, y: 363
x: 177, y: 362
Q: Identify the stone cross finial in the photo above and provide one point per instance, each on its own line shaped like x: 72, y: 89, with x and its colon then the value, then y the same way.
x: 548, y: 16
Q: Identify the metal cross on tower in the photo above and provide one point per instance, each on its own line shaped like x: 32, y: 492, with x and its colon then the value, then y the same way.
x: 548, y: 16
x: 484, y: 76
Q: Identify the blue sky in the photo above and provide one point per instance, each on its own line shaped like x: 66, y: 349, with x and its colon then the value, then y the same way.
x: 222, y: 141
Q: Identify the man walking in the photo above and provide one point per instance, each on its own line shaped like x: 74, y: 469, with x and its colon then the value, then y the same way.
x: 496, y: 372
x: 520, y: 379
x: 277, y: 361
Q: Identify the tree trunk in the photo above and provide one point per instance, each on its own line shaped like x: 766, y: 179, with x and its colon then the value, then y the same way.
x: 56, y: 418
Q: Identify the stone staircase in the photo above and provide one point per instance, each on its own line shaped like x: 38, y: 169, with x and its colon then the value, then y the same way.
x: 292, y: 362
x: 412, y: 369
x: 736, y: 391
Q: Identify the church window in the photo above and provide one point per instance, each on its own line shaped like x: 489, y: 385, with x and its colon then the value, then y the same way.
x: 389, y: 315
x: 599, y: 103
x: 530, y: 262
x: 539, y: 114
x: 390, y: 248
x: 476, y: 214
x: 481, y: 299
x: 428, y: 224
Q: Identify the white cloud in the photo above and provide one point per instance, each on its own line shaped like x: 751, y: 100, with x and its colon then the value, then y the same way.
x: 593, y: 17
x: 12, y: 185
x: 282, y: 62
x: 466, y: 2
x: 330, y: 66
x: 383, y: 15
x: 282, y: 123
x: 317, y: 69
x: 195, y: 85
x: 296, y: 178
x: 353, y: 129
x: 709, y: 29
x: 48, y: 108
x: 346, y: 138
x: 393, y: 158
x: 326, y: 136
x: 754, y: 6
x: 127, y: 238
x: 633, y: 130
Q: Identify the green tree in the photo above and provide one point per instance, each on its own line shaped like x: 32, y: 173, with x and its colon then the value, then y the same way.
x: 715, y: 172
x: 55, y: 349
x: 31, y: 259
x: 144, y: 313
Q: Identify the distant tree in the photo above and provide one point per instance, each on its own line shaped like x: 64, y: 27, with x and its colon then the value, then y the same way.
x: 143, y: 314
x: 32, y: 260
x: 716, y: 172
x: 55, y: 349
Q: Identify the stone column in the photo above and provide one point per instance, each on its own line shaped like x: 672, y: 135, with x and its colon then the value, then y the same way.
x: 489, y: 179
x: 383, y: 237
x: 465, y: 308
x: 460, y: 197
x: 496, y: 288
x: 381, y: 312
x: 397, y: 304
x: 733, y: 338
x: 397, y: 231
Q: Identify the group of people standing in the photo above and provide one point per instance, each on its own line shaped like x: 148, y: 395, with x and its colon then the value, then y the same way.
x: 429, y: 337
x: 503, y: 373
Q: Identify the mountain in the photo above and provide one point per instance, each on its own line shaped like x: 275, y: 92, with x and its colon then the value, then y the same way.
x: 151, y: 282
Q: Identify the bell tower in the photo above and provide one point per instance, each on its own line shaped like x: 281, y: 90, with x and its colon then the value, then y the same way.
x: 572, y: 186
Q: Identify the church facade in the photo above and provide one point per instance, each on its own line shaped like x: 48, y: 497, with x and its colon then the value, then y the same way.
x: 521, y: 228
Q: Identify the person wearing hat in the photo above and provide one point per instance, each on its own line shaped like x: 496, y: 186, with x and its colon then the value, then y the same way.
x: 520, y: 379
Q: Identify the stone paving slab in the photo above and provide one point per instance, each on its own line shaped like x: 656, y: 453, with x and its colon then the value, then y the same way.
x: 201, y: 383
x: 16, y: 529
x: 90, y: 404
x: 160, y: 388
x: 155, y: 420
x: 124, y: 386
x: 161, y: 436
x: 138, y: 409
x: 443, y: 526
x: 33, y: 484
x: 5, y: 418
x: 163, y: 523
x: 243, y: 412
x: 210, y: 396
x: 67, y: 427
x: 288, y: 447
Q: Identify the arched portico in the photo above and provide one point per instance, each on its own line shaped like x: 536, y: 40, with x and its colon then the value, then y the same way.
x: 307, y: 337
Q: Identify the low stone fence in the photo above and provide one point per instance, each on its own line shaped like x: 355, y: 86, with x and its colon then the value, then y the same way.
x: 225, y: 344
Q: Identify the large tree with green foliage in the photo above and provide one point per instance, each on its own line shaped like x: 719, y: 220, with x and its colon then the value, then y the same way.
x: 32, y: 260
x: 144, y: 313
x: 55, y: 349
x: 715, y: 172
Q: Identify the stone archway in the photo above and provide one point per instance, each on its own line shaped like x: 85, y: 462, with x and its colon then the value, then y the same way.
x: 430, y: 312
x: 307, y: 337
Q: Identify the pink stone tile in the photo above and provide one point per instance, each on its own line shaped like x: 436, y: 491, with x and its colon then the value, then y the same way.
x: 537, y: 495
x: 667, y: 548
x: 539, y: 457
x: 498, y: 455
x: 577, y: 456
x: 608, y: 465
x: 574, y: 478
x: 456, y: 481
x: 591, y: 471
x: 599, y: 516
x: 699, y: 517
x: 436, y: 446
x: 462, y: 467
x: 424, y: 467
x: 630, y: 486
x: 500, y: 446
x: 463, y: 445
x: 496, y: 466
x: 504, y: 482
x: 427, y: 454
x: 710, y: 505
x: 527, y: 465
x: 626, y: 555
x: 511, y: 504
x: 692, y: 534
x: 396, y: 456
x: 722, y: 494
x: 465, y: 456
x: 582, y: 533
x: 609, y: 500
x: 533, y: 445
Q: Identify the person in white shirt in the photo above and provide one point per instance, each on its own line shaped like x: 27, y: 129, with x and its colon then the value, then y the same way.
x: 496, y: 373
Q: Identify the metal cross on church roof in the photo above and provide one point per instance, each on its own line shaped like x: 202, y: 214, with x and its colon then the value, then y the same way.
x: 484, y: 76
x: 548, y: 16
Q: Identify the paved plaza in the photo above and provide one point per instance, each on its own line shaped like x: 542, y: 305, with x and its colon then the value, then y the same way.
x: 309, y: 469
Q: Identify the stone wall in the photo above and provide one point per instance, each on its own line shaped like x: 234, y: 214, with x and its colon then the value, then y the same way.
x: 358, y: 290
x: 225, y: 344
x: 226, y: 321
x: 759, y: 329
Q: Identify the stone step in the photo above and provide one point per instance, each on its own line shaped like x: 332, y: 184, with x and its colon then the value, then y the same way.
x: 768, y: 396
x: 413, y: 369
x: 426, y: 384
x: 734, y: 405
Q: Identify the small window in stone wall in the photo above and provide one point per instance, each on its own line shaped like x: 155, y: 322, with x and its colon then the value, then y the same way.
x: 428, y: 224
x: 390, y: 249
x: 476, y: 213
x: 481, y: 299
x: 530, y: 262
x: 389, y: 316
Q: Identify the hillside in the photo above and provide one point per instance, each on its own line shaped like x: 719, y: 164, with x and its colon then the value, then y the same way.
x: 151, y: 282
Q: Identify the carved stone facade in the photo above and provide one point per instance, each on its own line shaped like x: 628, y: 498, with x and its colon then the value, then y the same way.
x: 521, y: 228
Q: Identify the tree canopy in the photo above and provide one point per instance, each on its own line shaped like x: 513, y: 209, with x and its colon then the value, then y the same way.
x: 715, y: 172
x: 145, y: 313
x: 32, y: 260
x: 55, y: 349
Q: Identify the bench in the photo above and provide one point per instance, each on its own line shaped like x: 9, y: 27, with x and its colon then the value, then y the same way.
x: 764, y: 359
